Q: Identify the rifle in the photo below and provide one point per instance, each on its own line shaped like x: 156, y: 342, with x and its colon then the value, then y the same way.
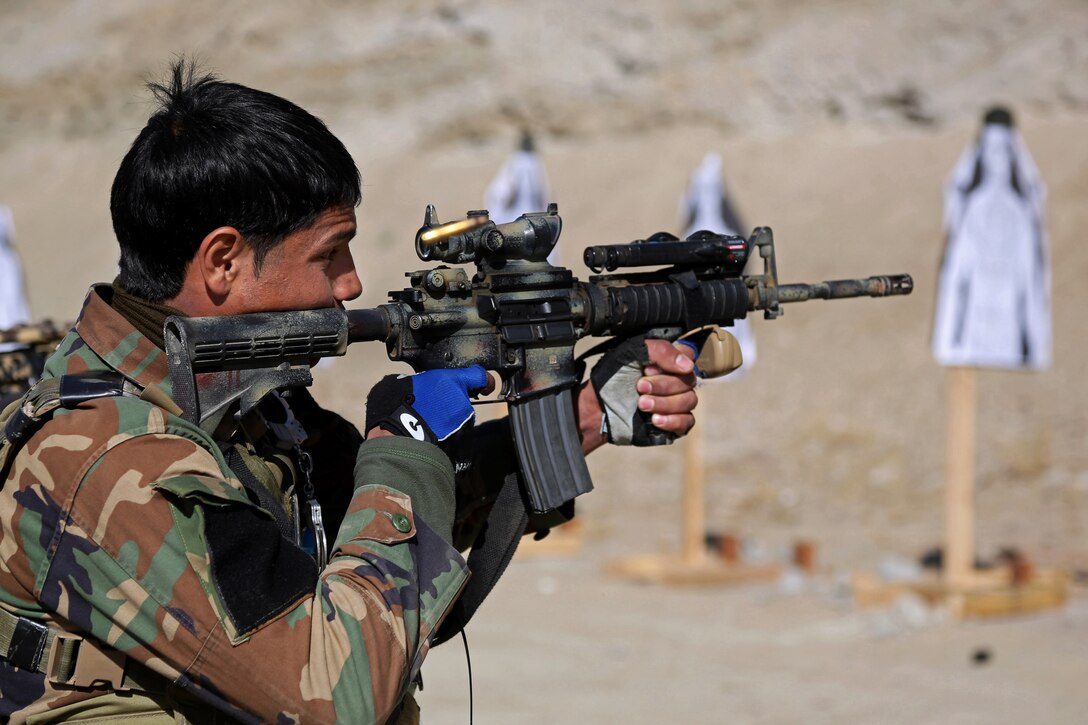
x: 517, y: 315
x: 23, y: 350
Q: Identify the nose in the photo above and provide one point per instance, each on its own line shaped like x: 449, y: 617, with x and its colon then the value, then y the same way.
x: 346, y: 284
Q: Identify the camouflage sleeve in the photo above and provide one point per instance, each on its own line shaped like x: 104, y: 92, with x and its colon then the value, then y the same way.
x: 158, y: 554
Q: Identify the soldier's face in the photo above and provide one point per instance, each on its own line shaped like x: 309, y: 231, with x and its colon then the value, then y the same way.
x: 311, y: 269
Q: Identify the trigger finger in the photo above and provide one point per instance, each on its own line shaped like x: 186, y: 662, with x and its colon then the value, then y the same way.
x: 489, y: 386
x: 475, y: 379
x: 687, y: 348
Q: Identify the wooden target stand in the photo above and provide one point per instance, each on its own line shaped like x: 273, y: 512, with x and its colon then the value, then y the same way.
x: 694, y: 564
x: 1013, y: 588
x: 719, y: 354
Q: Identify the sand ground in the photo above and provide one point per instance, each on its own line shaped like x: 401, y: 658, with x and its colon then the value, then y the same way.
x: 838, y: 123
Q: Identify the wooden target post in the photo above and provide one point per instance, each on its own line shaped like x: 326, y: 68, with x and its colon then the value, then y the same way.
x: 693, y: 565
x: 693, y: 501
x: 959, y: 503
x: 967, y: 591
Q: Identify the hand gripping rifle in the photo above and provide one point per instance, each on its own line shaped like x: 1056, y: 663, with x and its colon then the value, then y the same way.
x: 517, y: 315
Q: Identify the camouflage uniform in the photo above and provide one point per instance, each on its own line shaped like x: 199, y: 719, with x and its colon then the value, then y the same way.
x: 124, y: 523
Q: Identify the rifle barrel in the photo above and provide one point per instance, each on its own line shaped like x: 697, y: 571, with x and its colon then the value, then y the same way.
x: 879, y: 286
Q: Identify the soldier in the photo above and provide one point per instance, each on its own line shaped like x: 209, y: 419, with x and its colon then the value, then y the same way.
x: 149, y: 569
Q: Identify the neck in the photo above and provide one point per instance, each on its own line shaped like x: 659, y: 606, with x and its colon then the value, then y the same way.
x: 146, y: 316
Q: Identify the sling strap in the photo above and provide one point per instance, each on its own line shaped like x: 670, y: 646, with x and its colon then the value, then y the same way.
x: 64, y: 658
x: 22, y: 418
x: 490, y: 555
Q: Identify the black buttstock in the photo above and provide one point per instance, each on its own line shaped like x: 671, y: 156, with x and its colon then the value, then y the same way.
x: 216, y: 362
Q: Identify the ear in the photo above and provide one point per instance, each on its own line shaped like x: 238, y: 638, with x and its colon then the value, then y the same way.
x: 221, y: 259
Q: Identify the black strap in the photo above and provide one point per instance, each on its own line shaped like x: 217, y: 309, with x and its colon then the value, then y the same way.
x: 38, y: 404
x: 695, y: 310
x: 67, y: 391
x: 490, y: 555
x: 257, y: 490
x: 77, y: 388
x: 27, y: 642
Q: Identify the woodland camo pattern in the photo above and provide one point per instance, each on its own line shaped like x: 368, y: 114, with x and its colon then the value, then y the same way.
x: 103, y: 532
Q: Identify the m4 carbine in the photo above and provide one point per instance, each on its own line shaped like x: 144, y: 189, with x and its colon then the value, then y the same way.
x: 517, y: 315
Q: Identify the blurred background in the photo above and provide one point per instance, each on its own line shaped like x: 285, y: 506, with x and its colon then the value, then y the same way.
x: 837, y: 124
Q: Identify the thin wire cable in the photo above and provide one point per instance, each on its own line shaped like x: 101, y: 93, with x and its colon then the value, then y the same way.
x: 468, y: 664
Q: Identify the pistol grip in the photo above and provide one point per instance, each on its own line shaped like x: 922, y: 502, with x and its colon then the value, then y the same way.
x: 719, y: 354
x: 655, y: 436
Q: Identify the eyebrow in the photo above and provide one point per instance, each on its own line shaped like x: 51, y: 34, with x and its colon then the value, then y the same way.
x: 345, y: 236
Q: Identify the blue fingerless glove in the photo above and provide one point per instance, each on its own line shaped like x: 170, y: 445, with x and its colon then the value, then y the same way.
x: 430, y: 406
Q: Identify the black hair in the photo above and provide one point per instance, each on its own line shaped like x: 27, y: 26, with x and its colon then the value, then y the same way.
x: 999, y: 115
x: 220, y: 154
x: 527, y: 143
